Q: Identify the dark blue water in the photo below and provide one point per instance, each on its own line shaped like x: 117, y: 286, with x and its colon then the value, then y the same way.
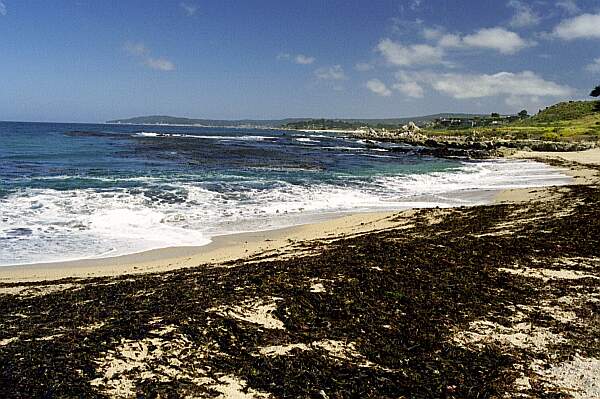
x: 74, y: 190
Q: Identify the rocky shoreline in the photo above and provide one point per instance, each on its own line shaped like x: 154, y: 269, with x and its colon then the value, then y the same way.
x: 467, y: 146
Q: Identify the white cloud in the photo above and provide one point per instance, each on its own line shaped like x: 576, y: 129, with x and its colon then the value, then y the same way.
x: 570, y: 6
x: 378, y: 87
x: 140, y: 51
x: 335, y: 72
x: 190, y: 9
x: 524, y: 15
x: 160, y: 64
x: 303, y: 59
x: 450, y: 40
x: 521, y: 85
x: 500, y: 39
x: 594, y: 67
x: 411, y: 89
x: 363, y: 66
x: 525, y: 83
x: 408, y: 85
x: 3, y: 10
x: 585, y: 26
x: 416, y: 54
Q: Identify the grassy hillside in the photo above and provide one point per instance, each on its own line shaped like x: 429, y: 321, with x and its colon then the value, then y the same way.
x: 573, y: 120
x: 565, y: 111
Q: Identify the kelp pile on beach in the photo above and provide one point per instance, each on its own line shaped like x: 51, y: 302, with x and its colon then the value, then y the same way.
x: 480, y: 302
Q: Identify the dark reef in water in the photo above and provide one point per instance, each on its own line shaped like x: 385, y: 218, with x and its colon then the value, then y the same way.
x: 399, y: 305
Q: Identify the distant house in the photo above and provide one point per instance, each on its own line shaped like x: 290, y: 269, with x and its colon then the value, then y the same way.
x: 455, y: 122
x: 465, y: 123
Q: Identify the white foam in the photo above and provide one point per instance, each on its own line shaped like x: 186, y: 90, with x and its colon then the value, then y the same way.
x: 204, y: 137
x: 61, y: 225
x: 306, y: 140
x: 148, y: 134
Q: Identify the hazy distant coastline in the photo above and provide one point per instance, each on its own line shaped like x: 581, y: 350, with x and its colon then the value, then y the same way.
x: 165, y: 120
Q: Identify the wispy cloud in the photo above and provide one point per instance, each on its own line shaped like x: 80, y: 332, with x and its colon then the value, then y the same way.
x: 363, y: 66
x: 299, y: 59
x: 304, y: 59
x: 524, y: 14
x: 160, y: 64
x: 189, y: 8
x: 594, y: 67
x: 412, y: 5
x: 406, y: 55
x: 335, y: 72
x: 3, y: 10
x: 585, y: 26
x: 140, y: 51
x: 378, y: 87
x: 570, y: 6
x: 415, y: 4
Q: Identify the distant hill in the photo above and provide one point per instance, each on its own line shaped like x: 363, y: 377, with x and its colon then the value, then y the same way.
x: 172, y: 120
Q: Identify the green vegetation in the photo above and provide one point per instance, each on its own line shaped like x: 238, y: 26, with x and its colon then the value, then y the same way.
x: 338, y: 124
x: 563, y: 121
x: 565, y: 111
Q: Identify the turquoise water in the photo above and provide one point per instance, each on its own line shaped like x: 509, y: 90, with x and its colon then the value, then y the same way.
x: 70, y: 191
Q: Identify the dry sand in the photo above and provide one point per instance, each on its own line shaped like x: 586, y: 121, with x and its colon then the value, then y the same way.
x: 275, y: 242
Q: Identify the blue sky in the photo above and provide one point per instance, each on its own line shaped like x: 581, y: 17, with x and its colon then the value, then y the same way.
x: 89, y: 61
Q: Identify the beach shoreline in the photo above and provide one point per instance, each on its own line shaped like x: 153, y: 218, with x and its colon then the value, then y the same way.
x: 232, y: 247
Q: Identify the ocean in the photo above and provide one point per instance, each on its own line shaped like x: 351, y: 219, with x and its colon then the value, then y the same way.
x: 74, y: 191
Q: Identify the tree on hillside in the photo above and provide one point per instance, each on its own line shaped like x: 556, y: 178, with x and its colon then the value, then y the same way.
x: 523, y: 114
x: 595, y: 92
